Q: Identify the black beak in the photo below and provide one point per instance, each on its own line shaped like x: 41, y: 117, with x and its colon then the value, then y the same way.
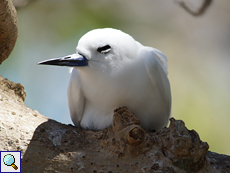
x: 70, y: 60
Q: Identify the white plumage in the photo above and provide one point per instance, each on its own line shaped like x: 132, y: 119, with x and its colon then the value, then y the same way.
x: 119, y: 72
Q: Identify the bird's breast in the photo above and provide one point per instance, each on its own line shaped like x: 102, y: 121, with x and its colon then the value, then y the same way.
x: 112, y: 91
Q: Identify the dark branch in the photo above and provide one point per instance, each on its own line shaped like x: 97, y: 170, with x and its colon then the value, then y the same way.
x: 200, y: 11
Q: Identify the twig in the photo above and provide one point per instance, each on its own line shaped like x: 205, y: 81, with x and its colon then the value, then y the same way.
x: 200, y: 11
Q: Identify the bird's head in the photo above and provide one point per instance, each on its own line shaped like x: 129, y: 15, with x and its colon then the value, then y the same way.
x: 100, y: 48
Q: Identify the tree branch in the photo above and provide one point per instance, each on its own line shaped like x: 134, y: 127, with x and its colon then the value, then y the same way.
x: 200, y: 11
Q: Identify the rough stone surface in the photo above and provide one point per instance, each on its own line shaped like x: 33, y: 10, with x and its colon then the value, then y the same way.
x: 49, y: 146
x: 8, y: 28
x: 17, y: 121
x: 183, y: 146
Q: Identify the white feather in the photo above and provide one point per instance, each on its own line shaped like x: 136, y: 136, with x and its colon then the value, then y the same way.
x: 129, y: 74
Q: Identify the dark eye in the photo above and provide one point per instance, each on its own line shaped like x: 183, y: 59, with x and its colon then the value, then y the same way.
x: 104, y: 49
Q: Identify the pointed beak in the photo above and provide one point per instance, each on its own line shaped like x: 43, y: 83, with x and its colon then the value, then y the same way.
x: 70, y: 60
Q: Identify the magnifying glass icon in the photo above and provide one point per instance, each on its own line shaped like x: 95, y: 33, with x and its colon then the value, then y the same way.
x: 9, y: 160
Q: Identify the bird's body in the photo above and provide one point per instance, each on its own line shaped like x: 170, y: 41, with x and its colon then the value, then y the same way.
x: 119, y: 72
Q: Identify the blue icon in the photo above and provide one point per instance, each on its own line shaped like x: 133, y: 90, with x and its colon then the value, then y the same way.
x: 9, y: 160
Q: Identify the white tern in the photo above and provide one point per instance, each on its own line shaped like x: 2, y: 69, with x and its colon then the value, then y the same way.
x: 110, y: 70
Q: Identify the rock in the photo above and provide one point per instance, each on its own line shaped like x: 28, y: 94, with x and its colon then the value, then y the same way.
x: 127, y: 127
x: 17, y: 121
x: 183, y: 146
x: 49, y: 146
x: 17, y: 88
x: 8, y: 28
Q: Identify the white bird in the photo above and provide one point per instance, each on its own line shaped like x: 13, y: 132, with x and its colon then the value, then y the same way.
x: 112, y: 70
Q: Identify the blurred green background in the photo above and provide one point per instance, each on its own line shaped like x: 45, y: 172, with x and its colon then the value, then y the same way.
x: 197, y: 48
